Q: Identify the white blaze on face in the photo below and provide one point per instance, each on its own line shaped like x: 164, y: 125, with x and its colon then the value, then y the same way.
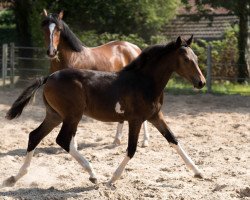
x: 118, y: 108
x: 51, y: 30
x: 193, y: 55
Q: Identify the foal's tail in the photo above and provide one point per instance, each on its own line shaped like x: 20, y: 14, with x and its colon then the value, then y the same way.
x: 23, y: 100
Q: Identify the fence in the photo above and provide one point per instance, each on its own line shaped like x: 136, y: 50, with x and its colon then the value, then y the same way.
x: 21, y: 64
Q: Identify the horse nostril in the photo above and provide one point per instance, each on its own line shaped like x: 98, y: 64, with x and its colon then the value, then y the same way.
x: 201, y: 84
x: 47, y: 52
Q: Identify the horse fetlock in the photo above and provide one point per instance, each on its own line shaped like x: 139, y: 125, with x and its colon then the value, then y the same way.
x: 117, y: 141
x: 9, y: 182
x: 145, y: 143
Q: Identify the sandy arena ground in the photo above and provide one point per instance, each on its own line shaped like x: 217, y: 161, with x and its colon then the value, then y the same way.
x: 214, y: 130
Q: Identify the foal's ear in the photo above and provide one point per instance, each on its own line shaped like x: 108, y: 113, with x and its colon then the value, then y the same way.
x: 178, y: 41
x: 60, y: 16
x: 190, y: 40
x: 45, y: 12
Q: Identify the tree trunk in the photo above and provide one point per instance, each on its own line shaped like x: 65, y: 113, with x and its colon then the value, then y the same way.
x: 243, y: 72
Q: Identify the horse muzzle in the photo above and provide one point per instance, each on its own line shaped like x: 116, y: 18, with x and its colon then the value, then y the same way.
x: 199, y: 83
x: 52, y: 52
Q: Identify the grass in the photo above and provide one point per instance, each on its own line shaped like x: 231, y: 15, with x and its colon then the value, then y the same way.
x: 221, y: 88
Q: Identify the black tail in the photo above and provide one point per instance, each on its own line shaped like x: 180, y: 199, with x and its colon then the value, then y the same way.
x: 23, y: 100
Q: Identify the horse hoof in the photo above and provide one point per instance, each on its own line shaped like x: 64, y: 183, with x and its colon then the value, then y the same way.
x: 93, y: 180
x: 9, y: 182
x: 110, y: 185
x: 145, y: 144
x: 117, y: 142
x: 198, y: 176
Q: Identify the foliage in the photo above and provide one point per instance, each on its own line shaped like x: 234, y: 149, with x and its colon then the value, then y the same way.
x: 142, y: 17
x: 224, y: 54
x: 241, y: 8
x: 91, y: 38
x: 7, y: 27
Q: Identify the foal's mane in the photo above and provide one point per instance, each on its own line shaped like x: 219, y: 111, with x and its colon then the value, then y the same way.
x: 149, y: 54
x: 73, y: 41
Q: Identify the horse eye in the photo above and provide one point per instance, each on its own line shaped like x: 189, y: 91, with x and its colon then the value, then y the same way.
x: 186, y: 59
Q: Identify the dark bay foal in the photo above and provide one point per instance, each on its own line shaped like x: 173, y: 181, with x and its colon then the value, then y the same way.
x: 65, y: 50
x: 133, y: 94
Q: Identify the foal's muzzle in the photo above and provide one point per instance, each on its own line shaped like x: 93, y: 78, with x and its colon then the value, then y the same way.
x: 199, y: 83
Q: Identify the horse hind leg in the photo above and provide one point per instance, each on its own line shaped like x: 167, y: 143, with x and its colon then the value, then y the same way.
x: 118, y: 136
x: 51, y: 120
x: 66, y: 139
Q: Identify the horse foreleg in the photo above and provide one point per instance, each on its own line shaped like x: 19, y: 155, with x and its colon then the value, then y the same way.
x: 159, y: 122
x: 35, y: 137
x: 66, y: 139
x: 134, y: 129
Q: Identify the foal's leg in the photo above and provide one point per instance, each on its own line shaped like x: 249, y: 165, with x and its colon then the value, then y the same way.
x: 51, y: 121
x: 159, y: 122
x: 66, y: 139
x: 118, y: 135
x: 134, y: 129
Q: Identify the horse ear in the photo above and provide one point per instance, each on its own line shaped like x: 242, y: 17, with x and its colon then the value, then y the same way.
x: 45, y: 12
x: 178, y: 41
x: 190, y: 40
x: 60, y: 15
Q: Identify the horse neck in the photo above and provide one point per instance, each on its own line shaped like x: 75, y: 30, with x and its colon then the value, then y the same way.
x: 65, y: 56
x: 160, y: 74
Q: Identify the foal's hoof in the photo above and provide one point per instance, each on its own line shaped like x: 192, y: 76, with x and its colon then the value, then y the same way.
x: 9, y: 182
x: 93, y: 180
x: 117, y: 142
x: 145, y: 143
x: 198, y: 176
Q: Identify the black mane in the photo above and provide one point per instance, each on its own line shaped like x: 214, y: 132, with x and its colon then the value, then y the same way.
x: 151, y: 53
x: 74, y: 43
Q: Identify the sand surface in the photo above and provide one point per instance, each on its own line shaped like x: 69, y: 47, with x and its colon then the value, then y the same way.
x: 214, y: 130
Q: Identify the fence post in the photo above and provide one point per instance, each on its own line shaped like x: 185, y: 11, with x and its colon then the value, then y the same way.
x: 12, y: 64
x: 209, y: 69
x: 4, y: 62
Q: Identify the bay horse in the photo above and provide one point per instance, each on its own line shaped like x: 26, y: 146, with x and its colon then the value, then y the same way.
x: 65, y: 50
x: 134, y: 94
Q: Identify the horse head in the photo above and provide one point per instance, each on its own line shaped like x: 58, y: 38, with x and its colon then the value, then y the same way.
x: 52, y: 26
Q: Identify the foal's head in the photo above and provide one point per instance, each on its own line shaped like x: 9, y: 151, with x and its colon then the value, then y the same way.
x: 52, y: 26
x: 187, y: 63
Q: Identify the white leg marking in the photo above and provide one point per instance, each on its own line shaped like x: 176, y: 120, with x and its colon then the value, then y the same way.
x: 24, y: 169
x: 118, y: 172
x: 146, y: 135
x: 118, y: 135
x: 80, y: 159
x: 118, y: 108
x: 187, y: 159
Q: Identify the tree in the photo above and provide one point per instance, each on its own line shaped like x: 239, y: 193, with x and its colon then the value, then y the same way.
x: 241, y: 8
x: 142, y: 17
